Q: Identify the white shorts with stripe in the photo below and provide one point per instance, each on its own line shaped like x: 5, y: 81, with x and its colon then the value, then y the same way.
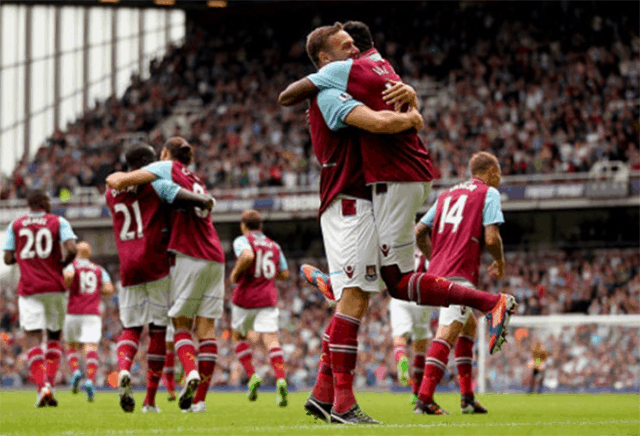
x: 409, y: 319
x: 83, y: 329
x: 456, y: 313
x: 42, y: 311
x: 351, y: 244
x: 395, y: 206
x: 197, y: 288
x: 145, y: 303
x: 260, y: 320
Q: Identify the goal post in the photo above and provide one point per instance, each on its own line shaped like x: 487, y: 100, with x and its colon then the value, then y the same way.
x: 609, y: 337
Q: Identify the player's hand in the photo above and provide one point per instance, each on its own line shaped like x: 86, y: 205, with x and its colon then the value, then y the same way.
x: 417, y: 119
x: 210, y: 204
x: 399, y: 94
x: 497, y: 269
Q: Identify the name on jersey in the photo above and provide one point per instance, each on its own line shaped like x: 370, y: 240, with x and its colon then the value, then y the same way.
x: 468, y: 185
x: 132, y: 189
x: 265, y: 244
x: 381, y: 71
x: 41, y: 221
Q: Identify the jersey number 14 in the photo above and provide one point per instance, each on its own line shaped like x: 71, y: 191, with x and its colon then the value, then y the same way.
x: 452, y: 214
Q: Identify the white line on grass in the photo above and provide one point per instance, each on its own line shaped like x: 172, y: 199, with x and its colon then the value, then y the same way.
x: 331, y: 428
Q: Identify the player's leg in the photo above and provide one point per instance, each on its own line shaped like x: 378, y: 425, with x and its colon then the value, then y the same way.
x: 266, y: 323
x: 450, y: 325
x: 156, y: 355
x: 186, y: 296
x: 158, y: 295
x: 56, y: 310
x: 541, y: 380
x: 320, y: 400
x: 242, y: 321
x: 73, y: 360
x: 464, y: 362
x: 31, y: 311
x: 168, y: 372
x: 417, y: 367
x: 211, y: 309
x: 401, y: 327
x: 133, y: 305
x: 90, y: 352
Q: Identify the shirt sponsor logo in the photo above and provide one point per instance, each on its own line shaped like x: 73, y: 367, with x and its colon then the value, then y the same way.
x: 348, y: 270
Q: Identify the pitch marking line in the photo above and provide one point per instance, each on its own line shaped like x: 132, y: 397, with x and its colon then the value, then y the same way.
x: 332, y: 427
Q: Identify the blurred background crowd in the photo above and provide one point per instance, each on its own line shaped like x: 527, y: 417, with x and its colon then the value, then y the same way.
x: 549, y: 89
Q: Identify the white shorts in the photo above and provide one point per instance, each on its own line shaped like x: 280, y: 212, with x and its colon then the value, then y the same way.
x: 42, y: 311
x: 260, y: 320
x: 395, y: 216
x: 197, y: 288
x: 171, y: 330
x: 456, y: 313
x: 83, y: 329
x: 145, y: 303
x: 409, y: 319
x: 351, y: 244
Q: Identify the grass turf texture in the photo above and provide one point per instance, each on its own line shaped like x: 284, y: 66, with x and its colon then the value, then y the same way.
x: 231, y: 413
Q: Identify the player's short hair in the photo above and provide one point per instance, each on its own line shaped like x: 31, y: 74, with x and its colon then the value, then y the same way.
x: 179, y: 149
x: 252, y: 219
x: 360, y: 33
x: 37, y: 199
x: 140, y: 155
x: 317, y: 41
x: 481, y: 162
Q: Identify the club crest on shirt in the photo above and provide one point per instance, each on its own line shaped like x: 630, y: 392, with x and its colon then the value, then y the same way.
x: 371, y: 274
x: 348, y: 270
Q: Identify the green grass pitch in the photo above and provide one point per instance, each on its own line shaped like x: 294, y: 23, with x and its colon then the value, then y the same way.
x: 231, y: 413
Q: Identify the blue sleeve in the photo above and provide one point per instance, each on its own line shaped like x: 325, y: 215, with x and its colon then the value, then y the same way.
x: 492, y: 212
x: 10, y: 242
x: 430, y: 216
x: 66, y: 232
x: 105, y: 276
x: 334, y: 75
x: 240, y: 244
x: 162, y: 169
x: 283, y: 262
x: 335, y: 106
x: 166, y: 189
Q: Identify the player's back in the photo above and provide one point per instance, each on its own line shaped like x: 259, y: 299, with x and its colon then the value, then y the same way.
x: 338, y: 152
x: 38, y: 253
x: 141, y: 225
x: 193, y: 233
x: 256, y: 286
x: 457, y: 233
x: 85, y: 289
x: 401, y: 157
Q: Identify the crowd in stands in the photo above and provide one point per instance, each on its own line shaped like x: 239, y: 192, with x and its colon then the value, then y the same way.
x: 549, y: 88
x: 600, y: 282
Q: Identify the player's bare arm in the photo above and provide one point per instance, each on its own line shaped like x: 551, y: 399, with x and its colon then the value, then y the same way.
x: 423, y: 240
x: 383, y: 122
x: 71, y: 250
x: 121, y: 180
x: 108, y: 288
x: 68, y: 278
x: 297, y: 92
x: 9, y: 257
x: 242, y: 263
x: 283, y: 275
x: 186, y: 198
x: 493, y: 241
x: 400, y: 93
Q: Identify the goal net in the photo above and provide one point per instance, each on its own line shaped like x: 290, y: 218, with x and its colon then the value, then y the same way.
x: 586, y: 353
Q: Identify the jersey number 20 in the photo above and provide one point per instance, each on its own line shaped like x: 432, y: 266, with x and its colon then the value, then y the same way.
x: 39, y: 244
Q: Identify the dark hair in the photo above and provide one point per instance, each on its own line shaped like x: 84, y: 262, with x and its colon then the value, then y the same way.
x: 481, y: 162
x: 179, y: 149
x: 140, y: 155
x: 317, y: 41
x: 252, y: 219
x: 38, y: 199
x: 360, y: 33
